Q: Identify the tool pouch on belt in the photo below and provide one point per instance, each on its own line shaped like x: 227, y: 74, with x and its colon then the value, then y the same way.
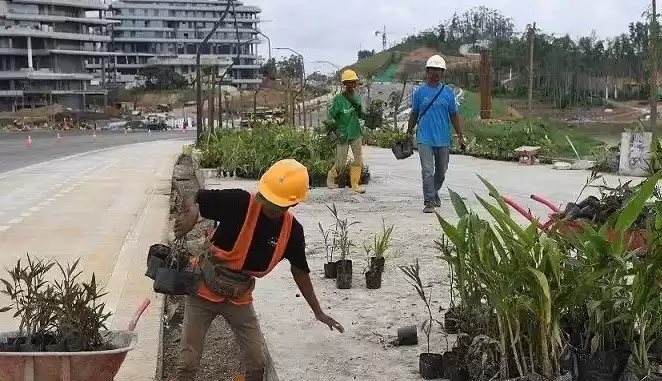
x: 224, y: 282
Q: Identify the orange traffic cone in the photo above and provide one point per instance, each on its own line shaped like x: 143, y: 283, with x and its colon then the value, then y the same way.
x: 94, y: 134
x: 58, y: 136
x: 29, y: 143
x: 126, y: 130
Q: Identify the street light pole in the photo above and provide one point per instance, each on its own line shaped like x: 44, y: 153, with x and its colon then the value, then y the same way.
x: 303, y: 80
x: 198, y: 71
x: 268, y: 63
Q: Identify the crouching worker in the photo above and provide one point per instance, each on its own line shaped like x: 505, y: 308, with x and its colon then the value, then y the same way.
x: 255, y: 232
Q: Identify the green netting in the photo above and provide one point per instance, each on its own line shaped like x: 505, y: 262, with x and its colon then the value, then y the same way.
x: 388, y: 75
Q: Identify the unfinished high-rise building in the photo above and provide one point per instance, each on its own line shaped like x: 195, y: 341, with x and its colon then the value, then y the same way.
x: 166, y: 33
x: 44, y: 45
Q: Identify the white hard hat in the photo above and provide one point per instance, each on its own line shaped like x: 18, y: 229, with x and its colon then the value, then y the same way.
x: 436, y: 62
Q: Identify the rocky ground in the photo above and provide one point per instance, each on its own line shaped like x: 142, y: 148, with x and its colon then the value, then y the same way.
x: 221, y: 358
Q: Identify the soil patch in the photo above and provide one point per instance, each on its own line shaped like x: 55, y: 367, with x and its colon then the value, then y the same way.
x: 221, y: 359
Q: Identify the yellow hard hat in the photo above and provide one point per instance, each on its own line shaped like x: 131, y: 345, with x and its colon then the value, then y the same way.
x: 349, y: 75
x: 285, y: 183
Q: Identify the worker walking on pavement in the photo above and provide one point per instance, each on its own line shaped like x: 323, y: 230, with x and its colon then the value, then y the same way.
x: 255, y: 232
x: 434, y: 110
x: 344, y: 113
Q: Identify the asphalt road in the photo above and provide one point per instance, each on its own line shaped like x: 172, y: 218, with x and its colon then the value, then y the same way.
x: 14, y: 152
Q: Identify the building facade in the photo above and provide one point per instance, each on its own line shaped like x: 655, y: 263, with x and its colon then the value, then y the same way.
x: 44, y: 45
x: 165, y: 33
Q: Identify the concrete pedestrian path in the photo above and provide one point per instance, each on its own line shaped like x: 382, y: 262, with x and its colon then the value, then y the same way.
x: 106, y: 207
x: 304, y: 349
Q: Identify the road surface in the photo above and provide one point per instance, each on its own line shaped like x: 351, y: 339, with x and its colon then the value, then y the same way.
x: 14, y: 152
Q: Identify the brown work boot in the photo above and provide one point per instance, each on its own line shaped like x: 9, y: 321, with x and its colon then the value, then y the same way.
x: 429, y: 207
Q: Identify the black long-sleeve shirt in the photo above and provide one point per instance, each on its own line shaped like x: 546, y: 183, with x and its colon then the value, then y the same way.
x: 229, y: 207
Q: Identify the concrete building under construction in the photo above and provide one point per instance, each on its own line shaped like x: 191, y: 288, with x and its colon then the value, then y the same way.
x: 165, y: 33
x: 44, y: 45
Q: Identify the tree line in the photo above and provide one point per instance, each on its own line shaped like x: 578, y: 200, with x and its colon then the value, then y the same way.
x: 567, y: 72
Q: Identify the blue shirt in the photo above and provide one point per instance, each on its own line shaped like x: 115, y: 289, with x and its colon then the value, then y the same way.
x: 434, y: 128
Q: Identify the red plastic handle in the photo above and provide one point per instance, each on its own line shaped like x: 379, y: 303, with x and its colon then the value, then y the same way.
x: 548, y: 204
x: 138, y: 314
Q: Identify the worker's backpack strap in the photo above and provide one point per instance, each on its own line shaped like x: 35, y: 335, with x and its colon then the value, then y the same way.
x: 427, y: 107
x: 224, y: 282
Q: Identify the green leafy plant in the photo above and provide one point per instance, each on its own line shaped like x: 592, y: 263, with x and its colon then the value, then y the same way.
x: 341, y: 237
x: 31, y: 296
x: 67, y: 309
x: 249, y: 153
x: 330, y: 235
x: 380, y: 243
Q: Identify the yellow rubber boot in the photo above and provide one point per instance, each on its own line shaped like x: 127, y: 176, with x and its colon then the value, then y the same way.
x: 331, y: 178
x: 355, y: 178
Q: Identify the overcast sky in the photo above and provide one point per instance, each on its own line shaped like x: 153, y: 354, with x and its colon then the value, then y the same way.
x: 336, y: 30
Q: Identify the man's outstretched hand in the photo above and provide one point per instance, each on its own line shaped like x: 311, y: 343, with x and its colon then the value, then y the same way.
x: 326, y: 319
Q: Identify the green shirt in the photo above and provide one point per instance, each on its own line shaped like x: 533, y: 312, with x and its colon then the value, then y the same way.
x: 345, y: 117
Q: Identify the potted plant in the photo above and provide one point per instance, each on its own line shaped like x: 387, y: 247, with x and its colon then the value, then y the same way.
x: 345, y: 244
x: 430, y: 365
x: 374, y: 116
x: 64, y: 317
x: 330, y: 244
x: 375, y: 253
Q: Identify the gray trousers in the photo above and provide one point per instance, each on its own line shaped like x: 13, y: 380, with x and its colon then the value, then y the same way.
x: 434, y: 164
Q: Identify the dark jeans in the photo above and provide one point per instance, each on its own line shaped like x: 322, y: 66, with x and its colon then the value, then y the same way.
x: 434, y: 163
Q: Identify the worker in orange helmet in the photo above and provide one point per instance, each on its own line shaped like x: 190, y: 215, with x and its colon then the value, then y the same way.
x: 255, y: 232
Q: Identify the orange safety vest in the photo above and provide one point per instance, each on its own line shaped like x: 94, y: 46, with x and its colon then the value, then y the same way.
x: 235, y: 258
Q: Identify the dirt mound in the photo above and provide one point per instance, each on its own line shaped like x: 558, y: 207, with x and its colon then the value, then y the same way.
x: 414, y: 62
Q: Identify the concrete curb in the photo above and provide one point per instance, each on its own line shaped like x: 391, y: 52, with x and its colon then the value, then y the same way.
x: 158, y: 374
x: 202, y: 174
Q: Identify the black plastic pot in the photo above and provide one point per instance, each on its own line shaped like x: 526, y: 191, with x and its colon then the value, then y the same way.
x: 153, y: 264
x: 159, y: 251
x: 59, y: 347
x: 377, y: 264
x: 408, y: 335
x: 430, y: 366
x: 603, y: 366
x: 331, y: 270
x: 403, y: 149
x: 75, y: 344
x: 452, y: 365
x: 373, y: 280
x: 634, y: 372
x: 450, y: 322
x: 344, y: 278
x: 174, y: 282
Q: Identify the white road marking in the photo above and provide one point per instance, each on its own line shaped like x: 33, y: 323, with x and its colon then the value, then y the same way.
x: 50, y: 199
x: 35, y: 209
x: 26, y: 214
x: 3, y: 228
x: 16, y: 220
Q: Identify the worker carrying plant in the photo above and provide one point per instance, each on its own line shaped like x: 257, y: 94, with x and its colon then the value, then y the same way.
x: 344, y: 113
x: 255, y: 232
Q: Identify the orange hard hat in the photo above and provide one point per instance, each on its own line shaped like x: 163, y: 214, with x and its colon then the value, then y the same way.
x: 285, y: 183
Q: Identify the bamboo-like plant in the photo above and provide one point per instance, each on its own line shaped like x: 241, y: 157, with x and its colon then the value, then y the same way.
x: 381, y: 242
x: 341, y: 233
x: 412, y: 272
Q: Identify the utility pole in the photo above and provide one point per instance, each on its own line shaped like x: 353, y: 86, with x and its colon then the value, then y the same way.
x: 212, y: 93
x: 655, y: 34
x: 532, y: 39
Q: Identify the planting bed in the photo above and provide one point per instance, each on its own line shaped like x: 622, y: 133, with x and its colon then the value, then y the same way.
x: 303, y: 349
x: 248, y: 154
x: 221, y: 359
